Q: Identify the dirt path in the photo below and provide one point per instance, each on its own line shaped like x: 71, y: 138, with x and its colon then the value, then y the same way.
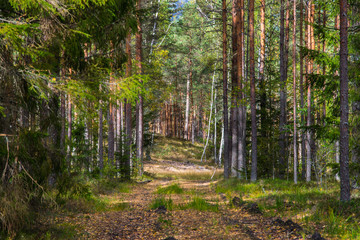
x: 138, y: 221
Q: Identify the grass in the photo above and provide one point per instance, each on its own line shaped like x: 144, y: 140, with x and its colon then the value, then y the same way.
x: 64, y: 231
x: 196, y: 203
x: 317, y: 208
x: 106, y: 187
x: 121, y: 206
x: 98, y: 202
x: 191, y: 175
x: 171, y: 189
x: 177, y: 149
x: 162, y: 201
x: 200, y: 204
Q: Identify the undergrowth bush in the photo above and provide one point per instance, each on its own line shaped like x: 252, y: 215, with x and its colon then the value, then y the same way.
x: 19, y: 205
x: 108, y: 186
x: 15, y: 209
x: 73, y: 186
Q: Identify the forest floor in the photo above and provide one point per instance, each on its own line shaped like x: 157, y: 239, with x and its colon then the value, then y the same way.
x: 180, y: 201
x: 181, y: 197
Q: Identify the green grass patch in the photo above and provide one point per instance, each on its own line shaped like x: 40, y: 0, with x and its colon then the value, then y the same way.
x: 200, y: 204
x: 191, y: 176
x: 63, y: 231
x: 122, y: 206
x: 177, y: 149
x: 162, y: 201
x: 171, y: 189
x: 316, y: 206
x: 106, y: 186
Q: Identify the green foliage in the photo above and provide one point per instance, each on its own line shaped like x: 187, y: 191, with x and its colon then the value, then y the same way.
x: 107, y: 186
x: 162, y: 201
x: 15, y: 208
x: 73, y: 186
x: 14, y: 37
x: 200, y: 204
x: 171, y: 189
x: 122, y: 206
x: 317, y: 205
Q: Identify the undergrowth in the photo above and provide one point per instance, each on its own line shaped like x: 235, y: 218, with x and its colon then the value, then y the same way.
x: 196, y: 203
x: 171, y: 189
x: 162, y: 202
x: 317, y: 207
x: 166, y: 148
x: 200, y: 204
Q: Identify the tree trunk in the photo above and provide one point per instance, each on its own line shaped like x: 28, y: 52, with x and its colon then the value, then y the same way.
x: 215, y: 130
x: 282, y: 121
x: 100, y: 144
x: 309, y: 71
x: 225, y: 104
x: 262, y: 69
x: 221, y: 145
x: 294, y: 93
x: 242, y: 108
x: 303, y: 168
x: 188, y: 93
x: 236, y: 38
x: 69, y: 150
x: 128, y: 127
x: 344, y: 106
x: 62, y: 103
x: 286, y: 56
x: 252, y: 93
x: 140, y: 133
x: 111, y: 134
x: 193, y: 125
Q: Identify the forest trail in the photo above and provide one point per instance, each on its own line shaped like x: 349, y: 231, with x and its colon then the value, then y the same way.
x: 141, y: 218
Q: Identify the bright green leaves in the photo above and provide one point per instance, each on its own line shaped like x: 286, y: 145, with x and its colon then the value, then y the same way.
x: 15, y: 37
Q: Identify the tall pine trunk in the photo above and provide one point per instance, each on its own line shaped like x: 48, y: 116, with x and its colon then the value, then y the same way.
x: 128, y: 119
x: 310, y: 39
x: 111, y: 134
x: 242, y: 105
x: 140, y: 130
x: 344, y: 106
x: 282, y: 121
x: 235, y: 86
x: 62, y: 103
x: 294, y: 93
x: 262, y: 70
x: 100, y: 143
x: 69, y: 150
x: 225, y: 104
x: 252, y: 92
x: 303, y: 166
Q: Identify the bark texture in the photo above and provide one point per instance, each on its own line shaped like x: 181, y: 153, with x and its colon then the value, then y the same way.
x: 225, y: 104
x: 252, y: 92
x: 344, y: 106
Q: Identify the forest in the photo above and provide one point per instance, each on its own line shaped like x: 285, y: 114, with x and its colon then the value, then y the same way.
x: 168, y: 119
